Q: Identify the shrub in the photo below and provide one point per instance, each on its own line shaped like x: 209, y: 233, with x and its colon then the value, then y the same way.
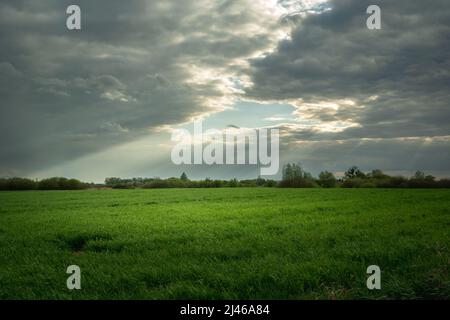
x: 19, y: 184
x: 58, y: 183
x: 327, y: 180
x: 353, y: 183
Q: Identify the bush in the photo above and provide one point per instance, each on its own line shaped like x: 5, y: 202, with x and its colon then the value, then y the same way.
x: 157, y: 183
x: 392, y: 182
x: 57, y: 183
x: 422, y: 181
x: 248, y: 183
x: 270, y: 183
x: 233, y: 183
x: 327, y: 180
x: 353, y: 183
x: 443, y: 183
x: 298, y: 183
x: 18, y: 184
x: 122, y: 186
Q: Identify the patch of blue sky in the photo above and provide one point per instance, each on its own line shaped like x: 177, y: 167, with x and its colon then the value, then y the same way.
x: 246, y: 114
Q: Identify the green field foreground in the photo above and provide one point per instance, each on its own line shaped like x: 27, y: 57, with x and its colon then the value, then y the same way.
x: 255, y: 243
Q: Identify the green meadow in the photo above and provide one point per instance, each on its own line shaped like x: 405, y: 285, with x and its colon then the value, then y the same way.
x: 236, y: 243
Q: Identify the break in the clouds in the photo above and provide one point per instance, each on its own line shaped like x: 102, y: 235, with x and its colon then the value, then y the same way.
x: 98, y: 102
x: 354, y: 82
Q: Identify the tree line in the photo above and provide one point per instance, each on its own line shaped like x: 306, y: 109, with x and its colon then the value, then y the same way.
x: 55, y: 183
x: 184, y: 182
x: 293, y: 176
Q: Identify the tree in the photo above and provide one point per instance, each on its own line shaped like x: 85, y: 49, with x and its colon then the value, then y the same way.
x: 354, y: 172
x: 419, y: 175
x: 327, y: 179
x: 233, y: 183
x: 20, y: 184
x: 60, y: 183
x: 110, y: 182
x: 295, y: 177
x: 293, y: 171
x: 287, y: 172
x: 260, y: 181
x: 49, y: 184
x: 378, y: 174
x: 420, y: 180
x: 184, y: 177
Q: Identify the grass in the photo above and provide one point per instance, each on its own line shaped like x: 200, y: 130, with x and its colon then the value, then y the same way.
x: 225, y: 243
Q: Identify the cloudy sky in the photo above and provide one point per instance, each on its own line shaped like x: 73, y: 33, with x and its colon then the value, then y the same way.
x: 103, y: 101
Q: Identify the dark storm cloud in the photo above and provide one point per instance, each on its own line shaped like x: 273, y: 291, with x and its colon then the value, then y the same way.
x: 334, y: 56
x: 68, y: 93
x: 138, y: 65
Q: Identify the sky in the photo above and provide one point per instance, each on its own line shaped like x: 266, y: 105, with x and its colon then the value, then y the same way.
x: 103, y: 101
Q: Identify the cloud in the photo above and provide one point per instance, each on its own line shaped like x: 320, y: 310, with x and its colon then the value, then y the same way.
x: 135, y: 64
x: 397, y: 77
x: 141, y: 65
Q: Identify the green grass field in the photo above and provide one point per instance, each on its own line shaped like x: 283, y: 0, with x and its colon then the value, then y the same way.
x: 225, y: 243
